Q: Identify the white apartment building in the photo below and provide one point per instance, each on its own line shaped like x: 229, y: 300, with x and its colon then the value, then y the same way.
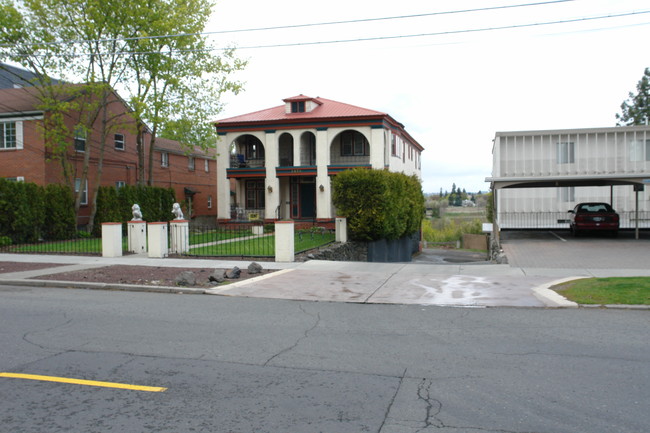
x: 537, y: 176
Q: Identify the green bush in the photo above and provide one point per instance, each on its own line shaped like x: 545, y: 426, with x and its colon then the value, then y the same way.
x: 450, y: 231
x: 5, y: 241
x: 114, y: 205
x: 378, y: 204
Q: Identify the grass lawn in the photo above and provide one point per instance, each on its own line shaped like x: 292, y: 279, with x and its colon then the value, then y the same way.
x: 623, y: 290
x: 261, y: 246
x: 72, y: 246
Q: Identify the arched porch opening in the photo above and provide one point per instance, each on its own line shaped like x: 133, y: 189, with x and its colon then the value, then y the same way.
x: 308, y: 148
x: 285, y: 150
x: 246, y: 151
x: 350, y: 147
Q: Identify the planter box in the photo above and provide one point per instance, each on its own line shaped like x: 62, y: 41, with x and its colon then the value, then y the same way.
x: 258, y: 230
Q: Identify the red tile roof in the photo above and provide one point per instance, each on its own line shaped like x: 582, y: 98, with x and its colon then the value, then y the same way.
x: 326, y: 109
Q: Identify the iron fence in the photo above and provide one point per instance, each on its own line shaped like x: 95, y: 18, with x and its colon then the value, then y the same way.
x: 560, y: 220
x: 245, y: 241
x: 79, y: 244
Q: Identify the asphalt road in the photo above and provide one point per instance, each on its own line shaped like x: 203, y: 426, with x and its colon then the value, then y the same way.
x: 261, y: 365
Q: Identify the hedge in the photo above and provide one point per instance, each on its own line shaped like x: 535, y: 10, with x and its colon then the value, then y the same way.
x: 114, y: 205
x: 378, y: 204
x: 30, y: 212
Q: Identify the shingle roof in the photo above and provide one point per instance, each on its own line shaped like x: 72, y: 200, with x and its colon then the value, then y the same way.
x: 12, y: 75
x: 19, y: 100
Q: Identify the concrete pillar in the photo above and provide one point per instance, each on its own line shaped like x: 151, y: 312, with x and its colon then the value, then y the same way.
x: 223, y: 183
x: 341, y: 226
x: 137, y: 232
x: 111, y: 239
x: 284, y: 241
x: 180, y: 236
x: 272, y: 183
x: 158, y: 243
x: 324, y: 196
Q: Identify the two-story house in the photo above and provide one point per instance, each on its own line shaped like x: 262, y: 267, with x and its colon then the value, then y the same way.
x: 537, y: 176
x: 281, y: 160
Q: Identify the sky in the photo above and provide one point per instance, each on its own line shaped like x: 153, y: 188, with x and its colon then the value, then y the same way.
x: 458, y: 83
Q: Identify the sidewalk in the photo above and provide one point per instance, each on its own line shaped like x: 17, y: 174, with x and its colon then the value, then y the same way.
x: 466, y: 285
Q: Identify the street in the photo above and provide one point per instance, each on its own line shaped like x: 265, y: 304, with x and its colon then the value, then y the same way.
x: 263, y: 365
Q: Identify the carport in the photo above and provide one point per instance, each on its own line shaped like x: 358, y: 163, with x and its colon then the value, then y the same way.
x: 635, y: 181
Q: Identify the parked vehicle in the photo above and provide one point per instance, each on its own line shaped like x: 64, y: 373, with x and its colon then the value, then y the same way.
x: 593, y: 216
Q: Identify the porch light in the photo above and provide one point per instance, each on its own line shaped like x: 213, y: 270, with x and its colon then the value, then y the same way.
x: 321, y: 188
x: 269, y: 188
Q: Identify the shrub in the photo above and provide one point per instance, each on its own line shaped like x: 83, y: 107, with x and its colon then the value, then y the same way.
x: 378, y: 204
x: 5, y: 241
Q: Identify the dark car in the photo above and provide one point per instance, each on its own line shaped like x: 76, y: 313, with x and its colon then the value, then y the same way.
x: 593, y: 216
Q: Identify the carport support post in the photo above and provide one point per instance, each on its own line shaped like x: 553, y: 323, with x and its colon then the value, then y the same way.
x: 636, y: 212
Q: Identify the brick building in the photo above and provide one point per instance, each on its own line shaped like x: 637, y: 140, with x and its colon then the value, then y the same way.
x: 25, y: 155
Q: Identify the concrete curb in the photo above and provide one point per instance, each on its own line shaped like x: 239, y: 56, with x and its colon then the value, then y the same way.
x: 551, y: 298
x: 103, y: 286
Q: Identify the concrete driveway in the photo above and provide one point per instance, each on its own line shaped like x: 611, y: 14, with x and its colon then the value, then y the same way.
x: 558, y: 249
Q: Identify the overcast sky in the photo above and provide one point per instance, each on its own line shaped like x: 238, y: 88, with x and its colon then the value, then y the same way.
x: 454, y: 88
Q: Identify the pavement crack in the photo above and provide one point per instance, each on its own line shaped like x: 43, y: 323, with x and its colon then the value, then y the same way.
x: 297, y: 342
x: 392, y: 400
x: 433, y: 407
x: 365, y: 301
x: 27, y: 335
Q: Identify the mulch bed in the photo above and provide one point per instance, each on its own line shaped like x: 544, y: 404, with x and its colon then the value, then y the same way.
x: 143, y: 275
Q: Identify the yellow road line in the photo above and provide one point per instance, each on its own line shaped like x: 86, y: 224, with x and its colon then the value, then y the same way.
x: 83, y: 382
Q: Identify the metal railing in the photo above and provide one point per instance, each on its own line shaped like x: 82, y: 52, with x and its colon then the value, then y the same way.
x: 80, y: 244
x: 560, y: 220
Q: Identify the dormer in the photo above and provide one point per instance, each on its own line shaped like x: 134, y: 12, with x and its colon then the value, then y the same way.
x: 300, y: 104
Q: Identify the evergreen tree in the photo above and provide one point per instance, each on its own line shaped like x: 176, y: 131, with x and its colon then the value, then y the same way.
x: 636, y: 109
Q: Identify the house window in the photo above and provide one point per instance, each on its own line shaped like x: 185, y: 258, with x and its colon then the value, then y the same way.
x: 353, y: 143
x: 15, y: 179
x: 164, y: 159
x: 8, y: 135
x: 640, y: 150
x: 206, y: 165
x: 254, y: 194
x: 190, y: 163
x: 209, y: 202
x: 84, y: 194
x: 120, y: 184
x: 567, y: 194
x: 80, y: 139
x: 119, y: 141
x: 298, y: 107
x: 565, y: 152
x: 393, y: 145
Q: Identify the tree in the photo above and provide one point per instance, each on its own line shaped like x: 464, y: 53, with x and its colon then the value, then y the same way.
x: 636, y: 109
x: 152, y: 48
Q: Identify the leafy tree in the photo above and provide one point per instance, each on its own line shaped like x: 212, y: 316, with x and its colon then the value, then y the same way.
x: 152, y: 48
x: 636, y: 109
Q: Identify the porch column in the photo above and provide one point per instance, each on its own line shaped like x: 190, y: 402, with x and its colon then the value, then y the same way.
x: 223, y: 183
x: 324, y: 197
x: 272, y: 183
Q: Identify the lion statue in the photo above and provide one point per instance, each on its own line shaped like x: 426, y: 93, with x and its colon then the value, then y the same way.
x: 177, y: 211
x: 137, y: 214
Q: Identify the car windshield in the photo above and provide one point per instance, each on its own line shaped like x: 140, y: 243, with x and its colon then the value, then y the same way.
x: 595, y: 207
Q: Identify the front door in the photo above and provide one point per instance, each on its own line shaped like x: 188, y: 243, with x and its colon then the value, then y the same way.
x: 303, y: 197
